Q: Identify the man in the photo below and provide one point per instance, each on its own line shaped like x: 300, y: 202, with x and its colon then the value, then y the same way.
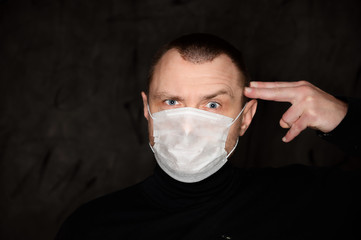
x: 196, y: 108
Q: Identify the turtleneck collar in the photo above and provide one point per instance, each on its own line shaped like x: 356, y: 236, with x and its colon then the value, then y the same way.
x: 171, y: 194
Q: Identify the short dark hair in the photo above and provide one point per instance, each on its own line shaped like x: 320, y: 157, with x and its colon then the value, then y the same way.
x: 199, y: 48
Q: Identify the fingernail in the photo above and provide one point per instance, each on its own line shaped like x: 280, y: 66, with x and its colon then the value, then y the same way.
x: 284, y: 139
x: 253, y: 84
x: 247, y: 89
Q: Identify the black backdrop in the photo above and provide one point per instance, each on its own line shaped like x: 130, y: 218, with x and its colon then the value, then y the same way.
x: 71, y: 72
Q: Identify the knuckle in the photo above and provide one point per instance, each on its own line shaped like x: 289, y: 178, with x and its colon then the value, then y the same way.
x: 304, y: 82
x: 305, y: 89
x: 311, y: 114
x: 285, y: 118
x: 307, y: 94
x: 284, y: 123
x: 310, y: 100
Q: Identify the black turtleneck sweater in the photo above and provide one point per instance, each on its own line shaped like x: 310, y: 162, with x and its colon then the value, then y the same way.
x: 294, y: 202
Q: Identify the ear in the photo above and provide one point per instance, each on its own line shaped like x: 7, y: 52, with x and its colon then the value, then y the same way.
x: 248, y: 114
x: 145, y: 105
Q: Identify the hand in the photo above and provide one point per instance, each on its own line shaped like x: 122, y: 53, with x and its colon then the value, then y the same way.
x: 311, y: 107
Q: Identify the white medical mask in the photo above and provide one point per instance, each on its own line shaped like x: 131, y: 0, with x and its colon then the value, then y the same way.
x: 189, y: 143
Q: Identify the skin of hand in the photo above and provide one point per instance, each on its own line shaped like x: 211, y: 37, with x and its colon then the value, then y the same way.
x: 311, y: 107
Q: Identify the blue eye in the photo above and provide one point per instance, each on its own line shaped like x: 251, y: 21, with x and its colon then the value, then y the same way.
x: 171, y: 102
x: 213, y: 105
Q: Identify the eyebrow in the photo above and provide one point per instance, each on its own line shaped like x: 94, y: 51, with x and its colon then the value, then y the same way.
x: 218, y: 93
x: 165, y: 95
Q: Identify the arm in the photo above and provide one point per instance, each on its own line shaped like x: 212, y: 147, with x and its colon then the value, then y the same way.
x: 347, y: 134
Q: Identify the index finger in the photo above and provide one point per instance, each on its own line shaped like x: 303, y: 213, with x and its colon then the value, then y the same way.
x: 258, y: 84
x: 278, y: 94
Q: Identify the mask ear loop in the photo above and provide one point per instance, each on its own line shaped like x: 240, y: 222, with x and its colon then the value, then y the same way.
x: 153, y: 148
x: 239, y: 114
x: 150, y: 114
x: 235, y: 145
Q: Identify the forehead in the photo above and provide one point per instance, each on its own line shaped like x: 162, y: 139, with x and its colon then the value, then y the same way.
x: 172, y: 72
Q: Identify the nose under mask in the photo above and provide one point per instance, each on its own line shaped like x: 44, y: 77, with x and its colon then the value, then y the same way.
x: 189, y: 143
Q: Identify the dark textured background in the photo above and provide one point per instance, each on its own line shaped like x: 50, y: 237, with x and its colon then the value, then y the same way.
x: 71, y: 72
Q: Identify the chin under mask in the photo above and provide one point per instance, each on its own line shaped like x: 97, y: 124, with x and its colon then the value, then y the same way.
x: 189, y: 144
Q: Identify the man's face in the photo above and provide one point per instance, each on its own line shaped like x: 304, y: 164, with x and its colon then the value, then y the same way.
x: 211, y: 86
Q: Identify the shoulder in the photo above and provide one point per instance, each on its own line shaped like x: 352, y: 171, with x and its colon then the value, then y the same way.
x: 101, y: 211
x: 294, y: 171
x: 299, y: 176
x: 112, y: 202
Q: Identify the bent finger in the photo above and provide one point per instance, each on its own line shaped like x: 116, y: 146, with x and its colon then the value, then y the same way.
x: 283, y: 124
x: 292, y: 114
x: 295, y: 130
